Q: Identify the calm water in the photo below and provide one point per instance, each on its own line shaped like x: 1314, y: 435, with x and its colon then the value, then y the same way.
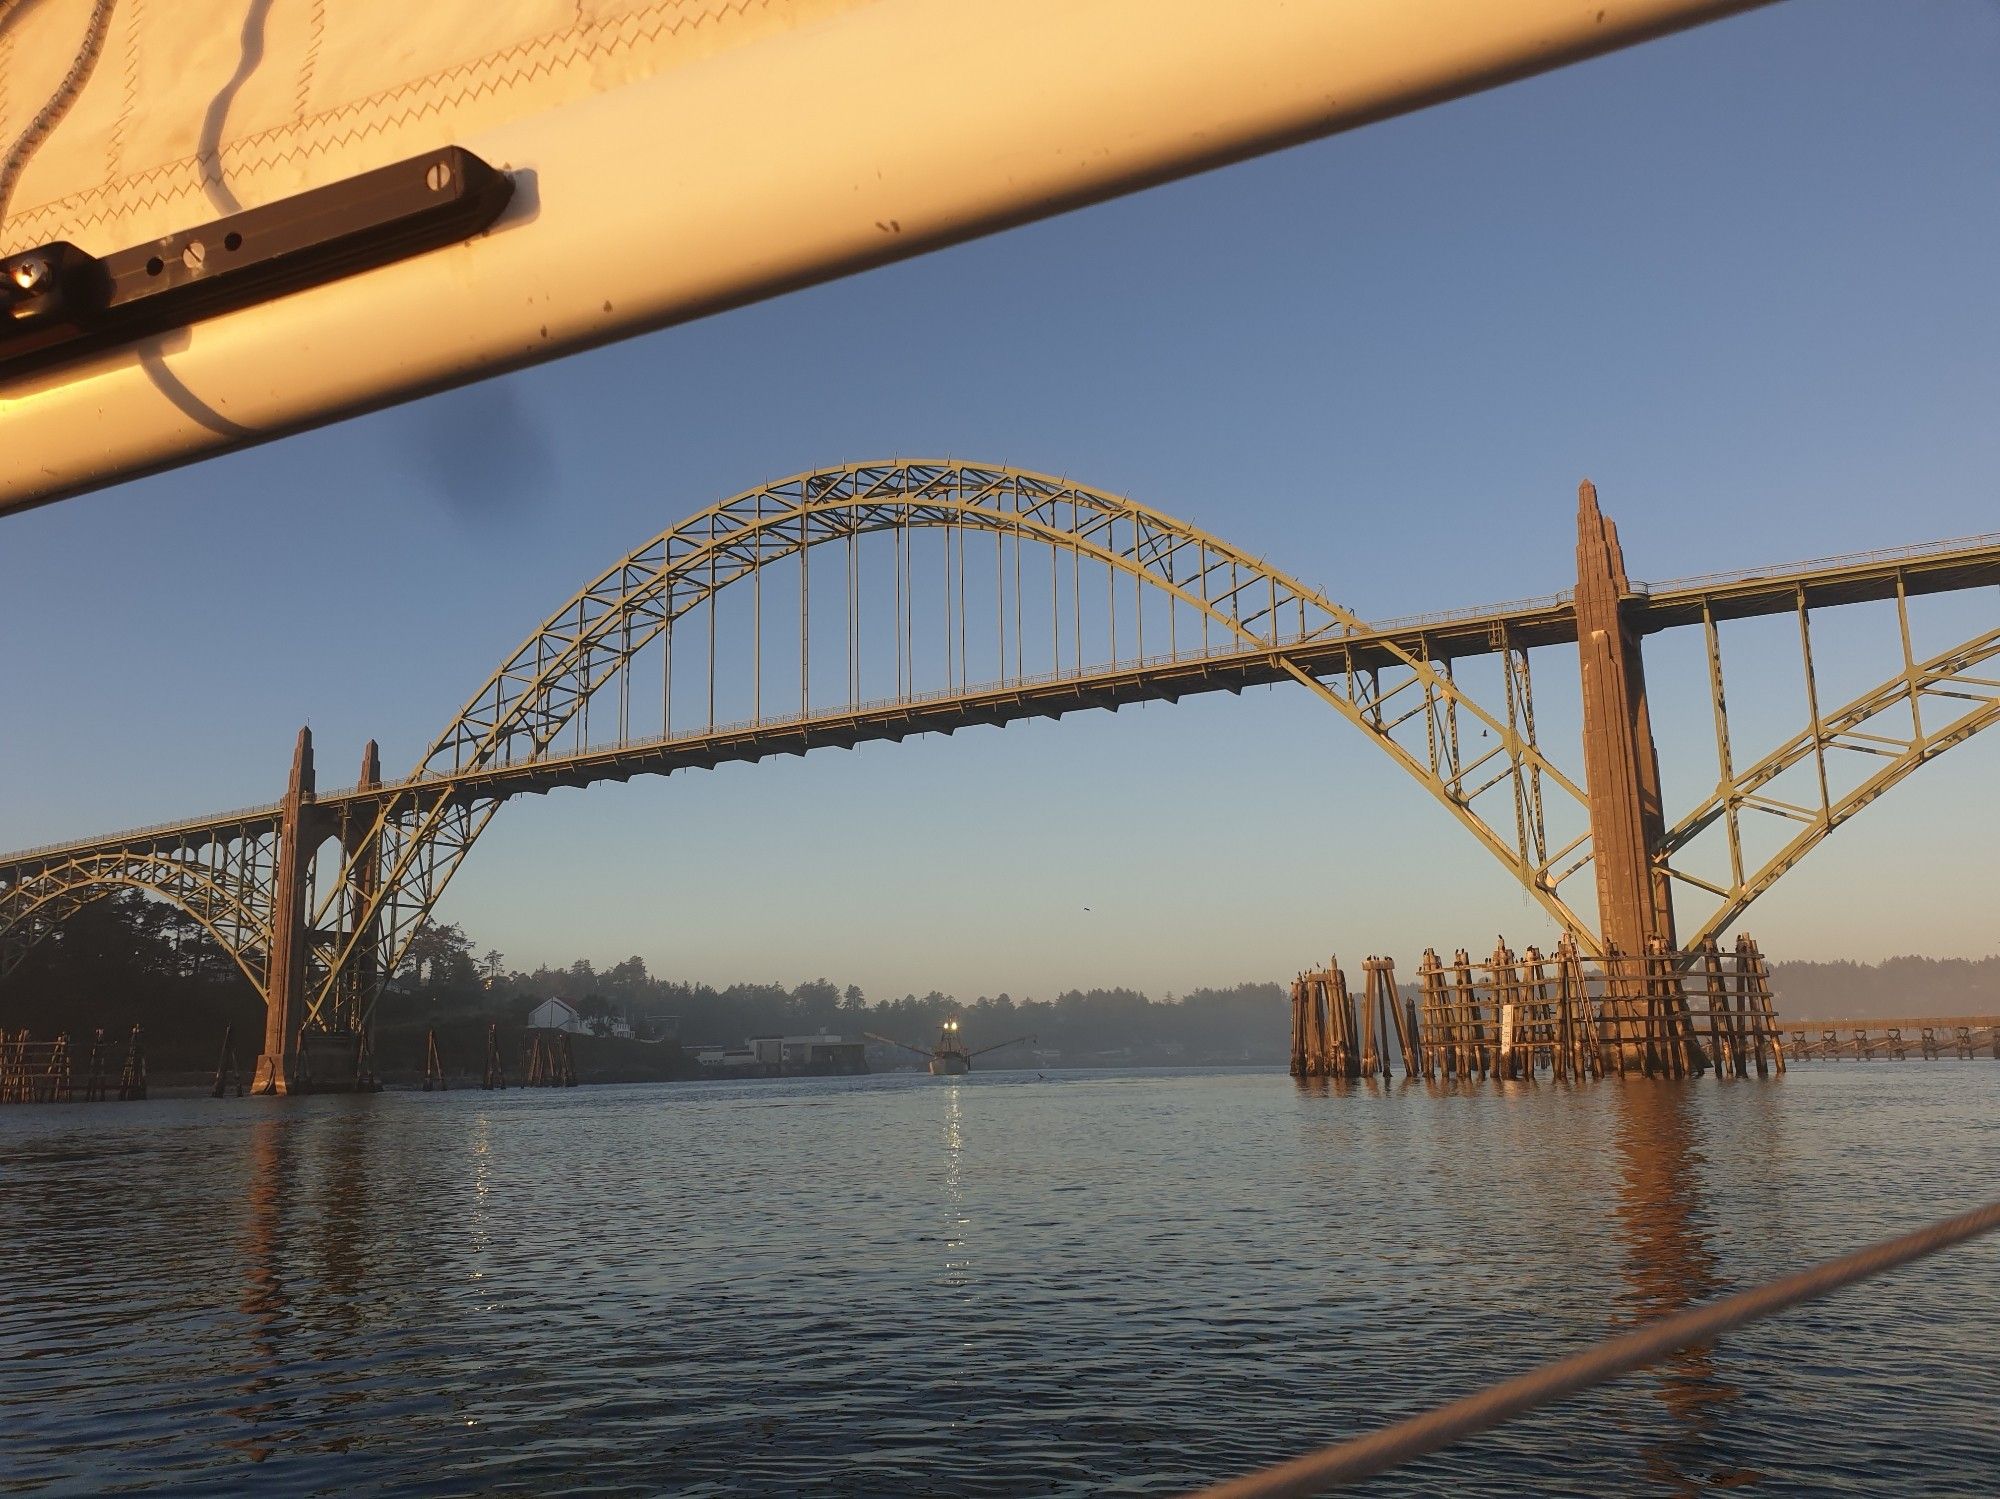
x: 995, y: 1285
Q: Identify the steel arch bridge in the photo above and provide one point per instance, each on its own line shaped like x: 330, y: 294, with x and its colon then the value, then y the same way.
x: 874, y: 601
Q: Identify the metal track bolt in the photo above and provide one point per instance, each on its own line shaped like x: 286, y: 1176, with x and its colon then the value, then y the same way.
x: 29, y: 274
x: 438, y: 178
x: 195, y: 253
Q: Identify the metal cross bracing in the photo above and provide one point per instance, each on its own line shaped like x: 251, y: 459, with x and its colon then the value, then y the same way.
x: 220, y: 873
x: 875, y: 601
x: 1933, y: 703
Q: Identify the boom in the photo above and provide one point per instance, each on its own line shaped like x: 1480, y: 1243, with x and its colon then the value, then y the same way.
x: 1000, y: 1045
x: 667, y: 159
x: 892, y: 1041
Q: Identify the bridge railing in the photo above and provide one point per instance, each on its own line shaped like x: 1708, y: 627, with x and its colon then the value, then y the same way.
x: 1915, y: 552
x: 1408, y: 624
x: 1403, y: 624
x: 129, y: 836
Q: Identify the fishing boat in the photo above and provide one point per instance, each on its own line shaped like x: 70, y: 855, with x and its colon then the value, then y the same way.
x: 950, y: 1057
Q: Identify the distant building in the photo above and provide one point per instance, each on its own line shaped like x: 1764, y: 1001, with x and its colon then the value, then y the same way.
x: 555, y: 1015
x: 786, y: 1056
x: 725, y: 1058
x: 821, y: 1054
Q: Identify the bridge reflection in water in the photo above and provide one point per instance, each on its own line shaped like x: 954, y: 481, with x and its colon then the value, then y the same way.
x: 1671, y: 1262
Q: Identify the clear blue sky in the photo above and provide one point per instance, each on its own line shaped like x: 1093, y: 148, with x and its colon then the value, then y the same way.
x: 1743, y: 278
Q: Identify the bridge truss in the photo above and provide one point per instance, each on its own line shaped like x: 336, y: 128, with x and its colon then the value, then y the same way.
x: 874, y: 601
x: 1891, y: 729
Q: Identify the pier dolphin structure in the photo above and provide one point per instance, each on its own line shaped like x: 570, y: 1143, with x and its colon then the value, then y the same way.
x: 875, y: 601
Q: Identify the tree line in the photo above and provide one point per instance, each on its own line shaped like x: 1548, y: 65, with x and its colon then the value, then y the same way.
x: 131, y: 960
x: 1246, y: 1022
x: 1905, y: 986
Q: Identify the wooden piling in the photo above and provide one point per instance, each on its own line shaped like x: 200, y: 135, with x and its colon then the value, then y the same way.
x: 1346, y: 1054
x: 1766, y: 1016
x: 1301, y: 1061
x: 1372, y: 1055
x: 1326, y: 1041
x: 1723, y: 1041
x: 132, y: 1082
x: 1383, y: 1005
x: 227, y: 1073
x: 1469, y: 1023
x: 433, y: 1063
x: 496, y: 1071
x: 1432, y: 1026
x: 1549, y: 1041
x: 93, y: 1074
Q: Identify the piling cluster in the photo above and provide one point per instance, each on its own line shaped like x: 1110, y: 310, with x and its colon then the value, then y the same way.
x: 1571, y: 1015
x: 549, y: 1063
x: 1934, y: 1041
x: 334, y: 1061
x: 54, y: 1071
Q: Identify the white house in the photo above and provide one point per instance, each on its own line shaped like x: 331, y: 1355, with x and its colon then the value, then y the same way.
x: 555, y: 1015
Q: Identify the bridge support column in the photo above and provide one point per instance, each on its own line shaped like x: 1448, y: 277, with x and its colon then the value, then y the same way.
x: 285, y: 976
x: 362, y: 853
x: 1621, y: 765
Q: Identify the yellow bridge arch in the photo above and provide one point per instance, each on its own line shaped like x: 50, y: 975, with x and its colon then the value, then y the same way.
x: 508, y: 736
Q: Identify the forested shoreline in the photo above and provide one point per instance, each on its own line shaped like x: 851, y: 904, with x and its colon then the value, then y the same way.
x: 127, y: 960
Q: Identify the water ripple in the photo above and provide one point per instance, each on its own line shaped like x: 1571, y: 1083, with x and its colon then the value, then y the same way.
x: 907, y: 1286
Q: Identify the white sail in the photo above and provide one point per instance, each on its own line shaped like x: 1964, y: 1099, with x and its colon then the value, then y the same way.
x: 672, y: 157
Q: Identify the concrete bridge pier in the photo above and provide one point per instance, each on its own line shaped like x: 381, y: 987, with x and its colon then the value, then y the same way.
x: 278, y: 1069
x: 1621, y: 764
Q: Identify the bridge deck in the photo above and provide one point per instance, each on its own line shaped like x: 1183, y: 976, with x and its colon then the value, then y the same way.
x: 1940, y: 568
x: 1931, y: 568
x: 1935, y: 567
x: 185, y: 832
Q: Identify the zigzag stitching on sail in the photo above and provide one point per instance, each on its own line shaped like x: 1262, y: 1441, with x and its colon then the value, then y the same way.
x: 536, y: 58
